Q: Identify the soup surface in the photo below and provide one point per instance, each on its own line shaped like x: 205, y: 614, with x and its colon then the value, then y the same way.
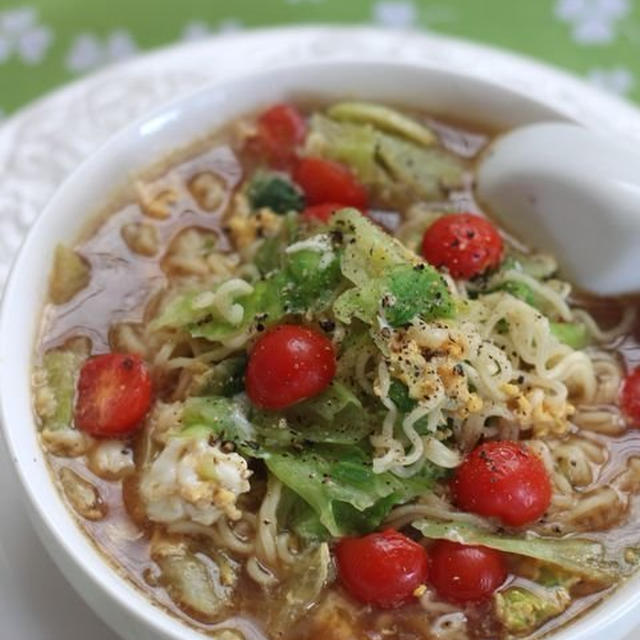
x: 296, y: 385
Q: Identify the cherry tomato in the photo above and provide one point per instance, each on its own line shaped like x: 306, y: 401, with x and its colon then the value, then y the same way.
x: 281, y: 129
x: 503, y: 479
x: 465, y: 573
x: 630, y: 397
x: 325, y: 181
x: 289, y: 363
x: 383, y: 569
x: 114, y: 394
x: 466, y: 244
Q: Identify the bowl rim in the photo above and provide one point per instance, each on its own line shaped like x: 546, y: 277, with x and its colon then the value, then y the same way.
x: 110, y: 588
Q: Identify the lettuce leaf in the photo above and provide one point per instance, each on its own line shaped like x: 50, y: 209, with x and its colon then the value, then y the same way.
x: 383, y: 118
x: 522, y: 610
x: 333, y: 488
x: 299, y: 592
x: 334, y: 416
x: 574, y: 334
x: 271, y: 255
x: 386, y: 163
x: 338, y: 483
x: 389, y: 280
x: 222, y: 417
x: 427, y: 173
x: 61, y: 369
x: 575, y: 555
x: 307, y: 282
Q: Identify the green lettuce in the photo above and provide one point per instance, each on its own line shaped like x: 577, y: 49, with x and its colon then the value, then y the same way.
x: 574, y: 334
x: 386, y: 163
x: 575, y: 555
x: 340, y: 486
x: 299, y: 591
x: 271, y: 256
x: 61, y: 368
x: 222, y: 417
x: 383, y: 118
x: 522, y: 610
x: 225, y: 378
x: 427, y: 173
x: 323, y: 460
x: 334, y: 416
x: 389, y: 280
x: 308, y: 281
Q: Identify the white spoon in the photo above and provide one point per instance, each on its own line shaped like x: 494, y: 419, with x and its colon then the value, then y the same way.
x: 573, y: 193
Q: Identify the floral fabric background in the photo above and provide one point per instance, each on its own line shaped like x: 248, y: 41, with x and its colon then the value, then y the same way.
x: 44, y: 43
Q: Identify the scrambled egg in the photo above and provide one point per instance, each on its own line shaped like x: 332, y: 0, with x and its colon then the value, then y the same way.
x: 246, y: 226
x: 194, y: 480
x: 439, y: 363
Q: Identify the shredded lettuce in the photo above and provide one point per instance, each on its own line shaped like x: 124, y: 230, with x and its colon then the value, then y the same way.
x: 349, y: 143
x: 225, y: 378
x: 312, y: 280
x: 575, y: 555
x: 307, y: 282
x: 323, y: 459
x: 70, y: 274
x: 521, y: 291
x: 340, y: 486
x: 222, y: 417
x: 61, y: 368
x: 428, y: 173
x: 271, y: 253
x: 523, y: 610
x: 386, y: 163
x: 390, y: 280
x: 574, y: 334
x: 383, y: 118
x: 334, y: 416
x: 306, y: 578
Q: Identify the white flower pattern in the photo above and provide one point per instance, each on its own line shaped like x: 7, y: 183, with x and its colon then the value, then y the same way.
x: 198, y: 29
x: 89, y: 51
x: 397, y: 14
x: 618, y: 80
x: 593, y: 21
x: 22, y: 35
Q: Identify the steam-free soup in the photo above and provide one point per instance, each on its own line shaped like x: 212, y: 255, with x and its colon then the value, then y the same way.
x: 296, y: 385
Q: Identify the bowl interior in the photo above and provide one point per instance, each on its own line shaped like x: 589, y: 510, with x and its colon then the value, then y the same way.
x: 439, y: 92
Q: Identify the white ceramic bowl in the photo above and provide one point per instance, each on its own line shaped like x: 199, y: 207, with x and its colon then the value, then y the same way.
x: 438, y: 91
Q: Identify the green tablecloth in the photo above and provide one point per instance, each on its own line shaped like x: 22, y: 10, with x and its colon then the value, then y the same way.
x: 44, y: 43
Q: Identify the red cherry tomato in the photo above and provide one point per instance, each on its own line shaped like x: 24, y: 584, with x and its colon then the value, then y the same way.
x: 325, y: 181
x: 630, y: 397
x: 114, y: 394
x: 281, y: 129
x: 466, y: 244
x: 288, y: 364
x: 383, y: 569
x: 465, y: 573
x: 503, y: 479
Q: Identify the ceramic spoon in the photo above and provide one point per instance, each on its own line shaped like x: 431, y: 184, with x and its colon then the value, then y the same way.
x: 573, y: 193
